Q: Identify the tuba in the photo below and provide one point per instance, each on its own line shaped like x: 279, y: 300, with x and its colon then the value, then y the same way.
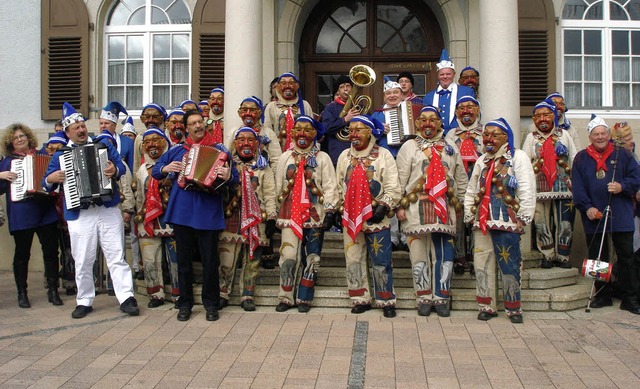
x: 362, y: 76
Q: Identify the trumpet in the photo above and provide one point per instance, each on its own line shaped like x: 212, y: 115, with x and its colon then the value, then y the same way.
x: 362, y: 76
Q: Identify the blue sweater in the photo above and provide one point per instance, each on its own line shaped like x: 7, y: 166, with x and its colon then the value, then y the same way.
x: 199, y: 210
x: 589, y: 191
x: 114, y: 157
x: 333, y: 123
x: 29, y: 213
x: 126, y: 150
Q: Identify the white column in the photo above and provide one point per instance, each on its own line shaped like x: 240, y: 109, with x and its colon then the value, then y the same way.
x: 499, y: 63
x: 243, y: 58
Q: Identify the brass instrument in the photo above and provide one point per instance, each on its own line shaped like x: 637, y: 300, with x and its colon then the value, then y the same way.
x: 362, y: 76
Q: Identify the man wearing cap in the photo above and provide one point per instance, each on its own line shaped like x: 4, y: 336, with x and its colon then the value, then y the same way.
x: 467, y: 135
x: 174, y: 125
x: 405, y: 79
x: 499, y: 202
x: 100, y: 224
x: 551, y: 150
x: 153, y: 115
x: 215, y: 123
x: 250, y: 218
x: 204, y: 108
x: 280, y: 115
x: 605, y: 177
x: 189, y: 105
x: 107, y: 121
x: 197, y: 217
x: 470, y: 77
x: 433, y: 181
x: 250, y: 112
x: 369, y: 190
x: 155, y: 235
x: 306, y: 187
x: 334, y: 121
x: 447, y: 93
x: 128, y: 129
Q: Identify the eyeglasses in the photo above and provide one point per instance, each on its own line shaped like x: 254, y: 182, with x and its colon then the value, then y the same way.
x: 543, y: 115
x: 154, y: 140
x: 246, y: 109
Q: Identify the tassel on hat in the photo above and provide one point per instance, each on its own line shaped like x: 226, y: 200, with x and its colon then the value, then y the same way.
x: 445, y: 61
x: 595, y: 122
x: 70, y: 116
x: 128, y: 127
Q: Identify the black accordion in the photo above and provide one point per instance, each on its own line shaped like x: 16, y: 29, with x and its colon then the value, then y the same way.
x: 85, y: 182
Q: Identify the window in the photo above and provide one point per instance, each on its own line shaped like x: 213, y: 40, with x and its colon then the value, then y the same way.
x: 601, y: 47
x: 148, y: 51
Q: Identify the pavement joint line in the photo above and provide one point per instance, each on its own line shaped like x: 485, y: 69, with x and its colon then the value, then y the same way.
x: 358, y: 356
x: 62, y: 328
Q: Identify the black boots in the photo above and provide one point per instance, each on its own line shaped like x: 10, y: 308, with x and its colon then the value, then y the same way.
x: 52, y: 291
x: 23, y: 300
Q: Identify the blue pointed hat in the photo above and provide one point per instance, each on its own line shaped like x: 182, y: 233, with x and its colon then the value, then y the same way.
x: 129, y: 127
x: 70, y: 116
x: 445, y: 61
x: 112, y: 111
x: 595, y: 122
x: 504, y: 126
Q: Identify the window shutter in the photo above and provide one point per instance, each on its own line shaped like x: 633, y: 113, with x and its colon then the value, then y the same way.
x: 65, y: 57
x: 534, y: 67
x: 207, y: 47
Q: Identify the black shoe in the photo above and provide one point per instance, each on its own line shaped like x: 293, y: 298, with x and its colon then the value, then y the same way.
x: 54, y: 297
x: 403, y: 247
x: 81, y: 311
x: 140, y: 275
x: 130, y: 306
x: 458, y: 268
x: 71, y: 291
x: 248, y: 305
x: 304, y: 307
x: 394, y: 247
x: 389, y: 311
x: 516, y: 319
x: 212, y: 314
x: 599, y: 302
x: 223, y: 303
x: 630, y: 305
x: 23, y: 300
x: 282, y: 307
x: 360, y: 308
x: 546, y: 264
x: 564, y: 265
x: 184, y: 314
x: 424, y: 309
x: 155, y: 303
x: 443, y: 310
x: 268, y: 263
x: 484, y: 316
x: 472, y: 269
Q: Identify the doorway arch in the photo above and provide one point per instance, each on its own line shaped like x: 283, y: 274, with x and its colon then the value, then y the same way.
x: 388, y: 36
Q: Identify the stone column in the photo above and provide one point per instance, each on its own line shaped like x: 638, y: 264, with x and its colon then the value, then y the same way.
x: 499, y: 63
x: 243, y: 58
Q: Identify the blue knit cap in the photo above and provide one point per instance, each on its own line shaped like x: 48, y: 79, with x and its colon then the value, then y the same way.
x: 504, y: 126
x: 377, y: 128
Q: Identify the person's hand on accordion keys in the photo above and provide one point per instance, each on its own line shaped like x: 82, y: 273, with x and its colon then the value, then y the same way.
x: 224, y: 172
x: 110, y: 170
x: 56, y: 177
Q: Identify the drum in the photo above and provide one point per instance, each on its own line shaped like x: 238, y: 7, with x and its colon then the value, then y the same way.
x: 597, y: 269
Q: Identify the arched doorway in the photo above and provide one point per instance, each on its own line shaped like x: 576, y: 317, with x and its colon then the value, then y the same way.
x: 389, y: 36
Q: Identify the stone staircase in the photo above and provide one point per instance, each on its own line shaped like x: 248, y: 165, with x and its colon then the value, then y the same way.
x: 553, y: 289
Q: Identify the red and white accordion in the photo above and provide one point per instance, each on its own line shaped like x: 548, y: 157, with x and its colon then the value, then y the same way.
x: 30, y: 171
x: 401, y: 120
x: 85, y: 182
x: 199, y: 168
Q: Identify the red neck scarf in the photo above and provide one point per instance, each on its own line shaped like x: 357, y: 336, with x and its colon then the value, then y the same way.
x: 484, y: 204
x: 357, y: 202
x: 250, y: 213
x: 600, y: 158
x: 339, y: 100
x: 217, y: 132
x: 153, y: 205
x: 549, y: 165
x: 436, y: 185
x: 289, y: 122
x: 468, y: 151
x: 300, y: 203
x: 206, y: 141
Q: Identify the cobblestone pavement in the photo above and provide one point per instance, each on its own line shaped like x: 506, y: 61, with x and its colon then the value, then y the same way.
x: 326, y: 348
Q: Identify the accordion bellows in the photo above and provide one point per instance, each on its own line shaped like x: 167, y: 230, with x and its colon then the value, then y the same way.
x: 199, y: 167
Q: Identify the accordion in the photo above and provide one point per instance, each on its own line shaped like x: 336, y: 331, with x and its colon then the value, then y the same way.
x: 30, y: 170
x: 401, y: 120
x: 85, y: 182
x: 199, y: 168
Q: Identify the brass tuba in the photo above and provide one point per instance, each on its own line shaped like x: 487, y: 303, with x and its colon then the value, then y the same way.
x: 362, y: 76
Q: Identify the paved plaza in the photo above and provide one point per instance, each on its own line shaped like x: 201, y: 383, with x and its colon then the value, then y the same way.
x: 43, y: 347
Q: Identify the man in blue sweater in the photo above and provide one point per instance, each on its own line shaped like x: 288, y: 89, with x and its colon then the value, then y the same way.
x: 606, y: 176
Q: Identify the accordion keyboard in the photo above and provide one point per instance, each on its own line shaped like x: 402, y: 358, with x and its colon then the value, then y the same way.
x: 71, y: 196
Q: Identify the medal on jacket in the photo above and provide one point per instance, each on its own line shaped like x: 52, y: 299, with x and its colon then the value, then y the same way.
x: 600, y: 174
